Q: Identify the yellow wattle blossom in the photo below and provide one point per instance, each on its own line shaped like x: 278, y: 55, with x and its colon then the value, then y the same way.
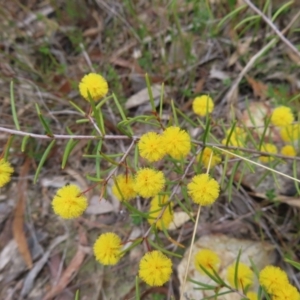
x: 176, y: 142
x: 270, y: 148
x: 286, y: 292
x: 245, y: 275
x: 155, y: 268
x: 148, y: 182
x: 108, y: 248
x: 203, y: 105
x: 69, y: 202
x: 203, y: 190
x: 5, y: 172
x: 151, y: 146
x: 282, y: 116
x: 237, y: 137
x: 290, y: 133
x: 208, y: 260
x: 272, y: 279
x: 156, y: 206
x: 94, y: 84
x: 288, y: 150
x: 123, y: 187
x: 205, y: 158
x: 252, y: 296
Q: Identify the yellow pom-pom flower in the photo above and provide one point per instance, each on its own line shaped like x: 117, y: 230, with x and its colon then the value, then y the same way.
x: 252, y: 296
x: 203, y: 189
x: 237, y: 137
x: 155, y: 268
x: 207, y: 259
x: 108, y: 248
x: 69, y: 203
x: 148, y: 182
x: 205, y: 158
x: 288, y: 150
x: 203, y: 105
x: 286, y: 292
x: 123, y: 188
x: 282, y: 116
x: 176, y: 142
x: 156, y: 207
x: 272, y: 278
x: 151, y: 147
x: 93, y: 84
x: 5, y: 172
x: 270, y: 148
x: 245, y: 275
x: 290, y: 133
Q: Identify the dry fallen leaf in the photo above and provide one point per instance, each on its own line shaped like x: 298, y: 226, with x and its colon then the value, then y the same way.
x: 259, y: 89
x: 180, y: 217
x: 72, y: 268
x: 18, y: 222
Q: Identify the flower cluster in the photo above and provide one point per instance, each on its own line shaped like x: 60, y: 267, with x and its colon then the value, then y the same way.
x: 123, y: 187
x: 270, y: 148
x: 288, y: 150
x: 276, y: 283
x: 69, y: 202
x: 235, y: 137
x: 208, y: 260
x: 5, y: 172
x: 245, y: 275
x: 155, y: 268
x: 173, y: 141
x: 158, y: 209
x: 282, y: 116
x: 203, y: 189
x: 208, y: 158
x: 203, y: 105
x: 93, y: 85
x: 108, y: 248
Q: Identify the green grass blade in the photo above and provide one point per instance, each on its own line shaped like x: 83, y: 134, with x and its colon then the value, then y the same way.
x: 43, y: 159
x: 24, y: 142
x: 13, y: 106
x: 77, y: 108
x: 137, y: 288
x: 69, y: 147
x: 150, y: 92
x: 43, y: 121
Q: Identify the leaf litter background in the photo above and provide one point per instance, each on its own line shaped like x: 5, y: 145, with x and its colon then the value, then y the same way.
x: 47, y: 46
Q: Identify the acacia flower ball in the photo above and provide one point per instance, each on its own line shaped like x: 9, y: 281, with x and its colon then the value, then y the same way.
x: 252, y: 296
x: 151, y: 147
x: 155, y: 268
x: 207, y: 259
x: 94, y: 84
x: 123, y: 188
x: 282, y: 116
x: 148, y: 182
x: 108, y: 248
x: 5, y: 172
x: 245, y: 275
x: 205, y: 158
x: 272, y: 278
x: 270, y: 148
x: 176, y: 142
x: 237, y: 137
x: 203, y: 189
x: 203, y: 105
x: 68, y: 202
x: 156, y: 207
x: 290, y: 133
x: 286, y: 292
x: 288, y: 150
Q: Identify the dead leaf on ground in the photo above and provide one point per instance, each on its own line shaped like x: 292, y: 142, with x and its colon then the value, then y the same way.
x: 72, y: 268
x: 18, y: 222
x: 259, y: 89
x: 142, y: 96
